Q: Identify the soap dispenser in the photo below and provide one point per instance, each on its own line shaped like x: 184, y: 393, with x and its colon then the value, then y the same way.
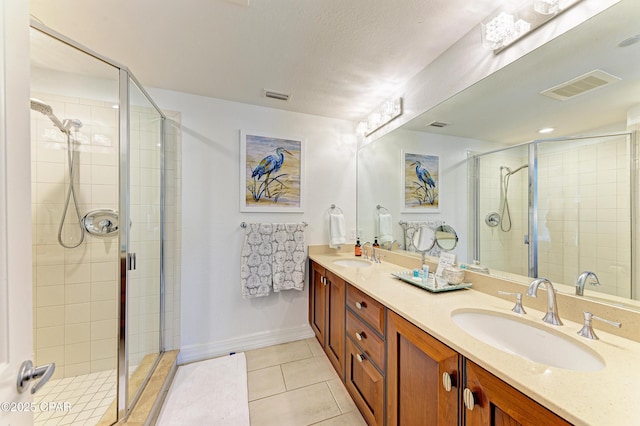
x: 375, y: 242
x: 358, y: 248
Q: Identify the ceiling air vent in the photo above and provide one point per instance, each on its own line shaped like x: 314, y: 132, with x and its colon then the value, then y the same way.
x: 436, y: 124
x: 276, y: 95
x: 579, y: 85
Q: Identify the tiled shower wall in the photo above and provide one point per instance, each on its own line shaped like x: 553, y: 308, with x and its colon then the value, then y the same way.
x: 75, y: 290
x: 583, y: 213
x: 501, y: 250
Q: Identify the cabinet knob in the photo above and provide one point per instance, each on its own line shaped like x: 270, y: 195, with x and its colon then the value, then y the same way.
x: 361, y: 335
x: 469, y: 399
x: 360, y: 357
x: 361, y: 305
x: 324, y: 280
x: 447, y: 381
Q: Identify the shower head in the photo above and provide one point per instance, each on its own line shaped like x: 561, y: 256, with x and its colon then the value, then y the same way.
x: 41, y: 107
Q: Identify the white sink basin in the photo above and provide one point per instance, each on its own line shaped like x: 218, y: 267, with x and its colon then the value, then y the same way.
x: 527, y: 340
x: 352, y: 263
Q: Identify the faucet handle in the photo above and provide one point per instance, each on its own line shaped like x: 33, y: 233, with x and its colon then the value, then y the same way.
x: 587, y: 329
x: 518, y: 308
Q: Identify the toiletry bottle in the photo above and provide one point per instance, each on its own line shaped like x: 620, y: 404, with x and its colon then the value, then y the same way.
x: 375, y: 242
x: 358, y: 248
x: 425, y: 274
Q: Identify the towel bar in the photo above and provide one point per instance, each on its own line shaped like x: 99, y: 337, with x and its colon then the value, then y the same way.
x: 244, y: 224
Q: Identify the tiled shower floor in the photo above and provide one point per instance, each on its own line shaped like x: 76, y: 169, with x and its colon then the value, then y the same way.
x: 88, y: 397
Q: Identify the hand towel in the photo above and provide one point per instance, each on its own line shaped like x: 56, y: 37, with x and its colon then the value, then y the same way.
x: 289, y: 256
x: 256, y: 259
x: 385, y: 225
x: 337, y: 229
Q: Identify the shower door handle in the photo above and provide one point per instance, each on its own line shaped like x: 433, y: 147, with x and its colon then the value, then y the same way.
x: 28, y: 372
x: 132, y: 261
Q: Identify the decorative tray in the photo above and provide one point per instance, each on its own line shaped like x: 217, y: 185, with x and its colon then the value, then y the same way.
x: 430, y: 285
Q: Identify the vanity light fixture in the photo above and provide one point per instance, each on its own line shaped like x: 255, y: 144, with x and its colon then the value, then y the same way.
x: 384, y: 114
x: 502, y: 28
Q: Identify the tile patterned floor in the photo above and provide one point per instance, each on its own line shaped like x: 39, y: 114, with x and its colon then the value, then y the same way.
x: 88, y: 396
x: 295, y: 384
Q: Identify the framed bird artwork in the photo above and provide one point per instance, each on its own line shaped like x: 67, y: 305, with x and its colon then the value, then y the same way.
x: 271, y: 173
x: 420, y: 183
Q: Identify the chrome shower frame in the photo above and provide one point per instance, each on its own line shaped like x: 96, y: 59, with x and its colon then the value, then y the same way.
x: 125, y: 256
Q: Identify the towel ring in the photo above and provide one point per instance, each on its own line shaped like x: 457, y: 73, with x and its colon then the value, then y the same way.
x: 384, y: 209
x: 334, y: 207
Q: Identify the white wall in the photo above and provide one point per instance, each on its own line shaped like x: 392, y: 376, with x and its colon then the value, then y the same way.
x: 379, y: 176
x: 215, y: 319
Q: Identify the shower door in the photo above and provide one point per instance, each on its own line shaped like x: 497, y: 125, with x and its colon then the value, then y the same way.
x: 584, y: 211
x: 569, y: 211
x: 144, y: 239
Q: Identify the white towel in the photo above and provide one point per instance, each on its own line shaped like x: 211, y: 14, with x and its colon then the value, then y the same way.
x: 385, y: 225
x: 289, y: 256
x: 337, y: 229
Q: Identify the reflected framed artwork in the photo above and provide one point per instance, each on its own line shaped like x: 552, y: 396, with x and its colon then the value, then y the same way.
x: 420, y: 183
x: 271, y: 173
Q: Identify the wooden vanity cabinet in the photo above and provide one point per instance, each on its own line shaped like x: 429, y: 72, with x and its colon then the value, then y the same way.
x: 327, y: 313
x: 365, y: 362
x: 496, y: 403
x: 365, y: 383
x: 422, y: 377
x: 398, y: 374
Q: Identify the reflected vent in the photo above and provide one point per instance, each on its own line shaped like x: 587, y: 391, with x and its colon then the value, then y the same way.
x: 437, y: 124
x: 580, y: 85
x: 276, y: 95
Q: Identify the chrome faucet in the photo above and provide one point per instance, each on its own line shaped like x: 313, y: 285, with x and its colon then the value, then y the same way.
x: 552, y: 306
x: 366, y: 252
x: 582, y: 279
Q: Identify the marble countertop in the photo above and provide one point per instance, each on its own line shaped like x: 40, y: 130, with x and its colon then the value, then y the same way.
x: 610, y: 396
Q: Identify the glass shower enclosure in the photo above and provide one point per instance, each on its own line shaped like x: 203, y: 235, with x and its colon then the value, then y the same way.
x: 554, y: 208
x: 98, y: 195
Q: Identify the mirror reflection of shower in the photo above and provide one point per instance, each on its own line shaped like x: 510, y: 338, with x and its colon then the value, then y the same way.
x: 505, y: 213
x: 67, y: 126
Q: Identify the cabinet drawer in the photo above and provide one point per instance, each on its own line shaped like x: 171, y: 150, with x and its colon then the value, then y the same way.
x: 363, y: 335
x: 366, y: 308
x: 365, y: 384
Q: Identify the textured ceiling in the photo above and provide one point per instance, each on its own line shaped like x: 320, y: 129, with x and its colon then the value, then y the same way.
x: 336, y: 58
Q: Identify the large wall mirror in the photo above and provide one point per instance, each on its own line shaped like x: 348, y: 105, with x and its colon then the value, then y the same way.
x: 591, y: 158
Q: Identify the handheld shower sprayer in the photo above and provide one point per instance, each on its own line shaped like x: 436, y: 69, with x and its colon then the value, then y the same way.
x: 65, y: 126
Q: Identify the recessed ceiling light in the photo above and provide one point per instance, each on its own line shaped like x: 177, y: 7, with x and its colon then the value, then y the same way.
x: 629, y: 41
x: 546, y: 130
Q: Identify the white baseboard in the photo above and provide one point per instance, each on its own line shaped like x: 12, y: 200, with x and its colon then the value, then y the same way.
x: 247, y: 342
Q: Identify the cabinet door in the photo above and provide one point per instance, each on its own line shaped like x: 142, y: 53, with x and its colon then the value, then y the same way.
x: 497, y: 403
x: 365, y: 384
x: 416, y: 363
x: 318, y: 302
x: 334, y: 346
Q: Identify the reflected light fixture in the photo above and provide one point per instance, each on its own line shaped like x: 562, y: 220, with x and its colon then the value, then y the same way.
x: 503, y: 27
x: 381, y: 116
x: 546, y: 130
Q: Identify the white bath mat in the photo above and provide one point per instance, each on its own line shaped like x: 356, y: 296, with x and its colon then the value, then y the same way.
x: 212, y: 392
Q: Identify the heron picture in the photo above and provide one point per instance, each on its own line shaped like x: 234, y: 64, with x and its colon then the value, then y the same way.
x: 421, y: 183
x: 271, y: 176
